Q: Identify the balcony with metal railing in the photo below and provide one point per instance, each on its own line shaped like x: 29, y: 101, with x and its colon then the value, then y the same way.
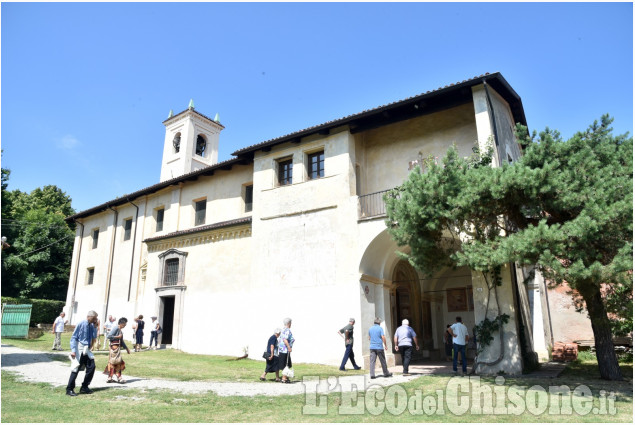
x: 372, y: 205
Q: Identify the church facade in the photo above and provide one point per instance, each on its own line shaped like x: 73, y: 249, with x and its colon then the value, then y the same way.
x: 295, y: 227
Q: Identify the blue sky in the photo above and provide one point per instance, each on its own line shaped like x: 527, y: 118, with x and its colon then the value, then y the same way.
x: 85, y: 86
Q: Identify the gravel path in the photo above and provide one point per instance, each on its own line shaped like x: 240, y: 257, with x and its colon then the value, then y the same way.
x: 37, y: 366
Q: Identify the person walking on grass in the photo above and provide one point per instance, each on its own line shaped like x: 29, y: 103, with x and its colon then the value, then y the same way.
x: 285, y: 346
x: 116, y: 365
x: 272, y: 359
x: 82, y: 358
x: 58, y: 329
x: 404, y: 337
x: 347, y: 333
x: 377, y: 347
x: 459, y: 341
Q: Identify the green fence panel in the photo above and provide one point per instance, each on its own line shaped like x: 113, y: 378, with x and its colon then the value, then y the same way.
x: 15, y: 320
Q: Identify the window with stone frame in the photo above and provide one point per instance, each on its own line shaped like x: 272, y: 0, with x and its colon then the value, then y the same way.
x: 285, y: 171
x: 172, y: 268
x: 315, y: 165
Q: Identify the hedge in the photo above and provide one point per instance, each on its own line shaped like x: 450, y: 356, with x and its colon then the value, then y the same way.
x: 43, y: 311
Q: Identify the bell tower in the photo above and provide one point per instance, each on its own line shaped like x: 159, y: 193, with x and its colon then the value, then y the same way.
x: 191, y: 142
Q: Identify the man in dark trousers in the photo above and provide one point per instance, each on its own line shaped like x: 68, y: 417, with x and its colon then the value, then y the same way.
x: 347, y: 333
x: 82, y: 340
x: 405, y: 336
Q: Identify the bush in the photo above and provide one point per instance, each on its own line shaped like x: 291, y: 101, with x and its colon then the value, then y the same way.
x: 43, y: 311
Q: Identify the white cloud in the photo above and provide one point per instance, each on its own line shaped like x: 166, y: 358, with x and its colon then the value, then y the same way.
x: 68, y: 142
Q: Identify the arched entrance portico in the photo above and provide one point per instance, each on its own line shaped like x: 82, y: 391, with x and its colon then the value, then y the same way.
x: 394, y: 291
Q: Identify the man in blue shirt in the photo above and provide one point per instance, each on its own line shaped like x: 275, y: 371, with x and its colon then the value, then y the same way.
x: 377, y: 339
x: 83, y: 338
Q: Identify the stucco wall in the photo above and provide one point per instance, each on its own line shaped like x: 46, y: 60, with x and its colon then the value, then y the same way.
x: 387, y: 151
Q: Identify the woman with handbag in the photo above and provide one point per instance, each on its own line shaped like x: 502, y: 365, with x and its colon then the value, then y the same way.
x: 115, y: 361
x: 271, y: 356
x: 285, y: 346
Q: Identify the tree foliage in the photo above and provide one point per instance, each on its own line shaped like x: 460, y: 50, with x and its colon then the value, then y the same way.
x: 566, y: 206
x: 37, y: 263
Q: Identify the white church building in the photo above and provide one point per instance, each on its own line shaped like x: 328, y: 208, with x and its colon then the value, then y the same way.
x: 295, y: 227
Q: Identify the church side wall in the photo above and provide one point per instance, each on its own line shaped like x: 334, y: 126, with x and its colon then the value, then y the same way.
x: 388, y: 150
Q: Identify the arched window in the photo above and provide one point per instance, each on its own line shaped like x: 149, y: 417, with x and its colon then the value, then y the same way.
x: 177, y: 142
x: 201, y: 143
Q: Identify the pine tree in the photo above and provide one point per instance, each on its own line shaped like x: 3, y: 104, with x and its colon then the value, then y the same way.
x: 566, y: 206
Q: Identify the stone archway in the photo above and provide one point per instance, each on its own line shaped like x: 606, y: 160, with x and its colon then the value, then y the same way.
x: 407, y: 303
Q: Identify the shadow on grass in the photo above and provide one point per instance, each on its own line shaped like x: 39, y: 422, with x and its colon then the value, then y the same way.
x: 19, y: 359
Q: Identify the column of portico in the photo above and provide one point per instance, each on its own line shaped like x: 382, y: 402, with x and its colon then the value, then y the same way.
x: 377, y: 293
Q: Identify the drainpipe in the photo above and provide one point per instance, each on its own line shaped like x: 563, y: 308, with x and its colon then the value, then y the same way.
x: 492, y: 119
x: 79, y: 256
x: 134, y: 241
x: 112, y: 258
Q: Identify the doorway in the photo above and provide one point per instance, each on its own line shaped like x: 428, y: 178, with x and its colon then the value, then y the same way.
x: 408, y: 304
x: 167, y: 319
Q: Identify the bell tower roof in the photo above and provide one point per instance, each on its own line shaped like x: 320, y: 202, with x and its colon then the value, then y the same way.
x: 172, y: 117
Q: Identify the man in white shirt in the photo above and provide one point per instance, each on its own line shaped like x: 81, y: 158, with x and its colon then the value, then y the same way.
x: 58, y: 329
x: 108, y: 327
x: 460, y: 337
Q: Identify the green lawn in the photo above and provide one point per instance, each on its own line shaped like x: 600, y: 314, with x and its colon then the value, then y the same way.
x: 136, y: 405
x: 175, y: 364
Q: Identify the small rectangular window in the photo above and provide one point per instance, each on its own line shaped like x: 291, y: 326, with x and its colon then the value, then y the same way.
x: 127, y: 229
x: 199, y: 208
x: 249, y: 198
x: 285, y: 172
x: 95, y: 238
x: 171, y: 272
x: 316, y: 165
x: 90, y: 278
x: 160, y: 213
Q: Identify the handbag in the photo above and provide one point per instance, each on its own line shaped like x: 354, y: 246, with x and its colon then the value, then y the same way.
x: 159, y: 330
x: 115, y: 356
x: 266, y: 355
x: 288, y: 371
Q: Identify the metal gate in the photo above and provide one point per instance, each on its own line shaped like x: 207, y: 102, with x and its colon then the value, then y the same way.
x: 15, y: 320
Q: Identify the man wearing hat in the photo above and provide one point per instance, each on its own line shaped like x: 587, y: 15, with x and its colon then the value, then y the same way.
x: 154, y: 332
x: 347, y: 333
